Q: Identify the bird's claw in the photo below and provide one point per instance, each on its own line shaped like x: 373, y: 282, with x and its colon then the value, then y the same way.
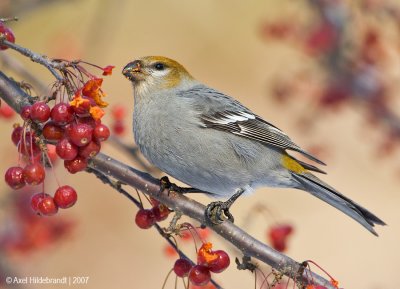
x: 165, y: 183
x: 218, y: 212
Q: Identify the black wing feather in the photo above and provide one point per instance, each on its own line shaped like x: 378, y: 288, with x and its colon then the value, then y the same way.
x: 253, y: 128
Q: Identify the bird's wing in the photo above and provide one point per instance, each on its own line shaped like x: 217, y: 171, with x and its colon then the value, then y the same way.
x: 219, y: 111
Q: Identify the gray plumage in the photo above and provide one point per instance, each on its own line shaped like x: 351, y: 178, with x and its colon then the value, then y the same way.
x: 211, y: 142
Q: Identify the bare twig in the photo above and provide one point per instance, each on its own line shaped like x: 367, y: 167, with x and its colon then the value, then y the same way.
x: 51, y: 65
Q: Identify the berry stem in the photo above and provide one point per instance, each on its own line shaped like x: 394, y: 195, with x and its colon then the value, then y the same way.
x: 263, y: 275
x: 31, y: 145
x: 91, y: 64
x: 185, y: 284
x: 140, y: 199
x: 319, y: 267
x: 166, y: 278
x: 190, y: 227
x: 52, y: 168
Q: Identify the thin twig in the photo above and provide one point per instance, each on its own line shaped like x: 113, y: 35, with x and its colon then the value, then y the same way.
x: 38, y: 58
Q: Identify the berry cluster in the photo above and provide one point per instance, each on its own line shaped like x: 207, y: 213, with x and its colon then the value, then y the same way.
x: 207, y: 261
x: 76, y: 130
x: 44, y: 204
x: 146, y: 218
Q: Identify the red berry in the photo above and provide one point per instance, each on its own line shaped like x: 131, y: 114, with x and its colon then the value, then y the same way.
x: 221, y: 263
x: 14, y: 177
x: 76, y: 165
x: 66, y: 149
x: 67, y: 128
x: 101, y: 132
x: 88, y: 120
x: 90, y: 150
x: 36, y: 198
x: 160, y: 212
x: 65, y: 197
x: 40, y: 111
x: 278, y: 236
x: 16, y: 134
x: 6, y: 111
x: 80, y: 134
x: 34, y: 174
x: 118, y: 112
x: 169, y: 251
x: 52, y: 132
x: 118, y: 127
x: 145, y: 218
x: 199, y: 275
x: 182, y: 267
x: 47, y: 206
x: 62, y: 113
x: 26, y: 112
x: 7, y: 34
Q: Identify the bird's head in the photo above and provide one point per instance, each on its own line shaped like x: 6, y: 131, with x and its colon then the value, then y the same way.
x: 156, y: 73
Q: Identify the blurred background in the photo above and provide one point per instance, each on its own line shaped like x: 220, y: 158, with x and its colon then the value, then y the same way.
x: 325, y: 71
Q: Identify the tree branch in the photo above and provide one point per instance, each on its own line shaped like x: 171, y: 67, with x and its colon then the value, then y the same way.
x: 117, y: 186
x: 51, y: 65
x: 11, y: 93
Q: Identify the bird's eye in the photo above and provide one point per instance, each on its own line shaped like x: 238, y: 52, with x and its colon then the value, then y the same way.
x: 159, y: 66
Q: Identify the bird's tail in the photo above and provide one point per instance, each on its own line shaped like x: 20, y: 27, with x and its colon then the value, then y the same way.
x: 310, y: 183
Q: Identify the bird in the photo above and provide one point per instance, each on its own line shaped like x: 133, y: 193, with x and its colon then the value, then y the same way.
x: 213, y: 143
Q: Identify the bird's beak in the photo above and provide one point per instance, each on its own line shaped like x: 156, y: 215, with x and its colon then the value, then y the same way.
x: 132, y: 70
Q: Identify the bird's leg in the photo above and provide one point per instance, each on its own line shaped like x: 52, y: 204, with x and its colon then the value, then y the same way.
x: 171, y: 187
x: 218, y: 212
x: 166, y: 184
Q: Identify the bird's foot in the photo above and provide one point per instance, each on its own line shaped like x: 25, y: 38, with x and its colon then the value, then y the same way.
x: 218, y: 212
x: 165, y: 183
